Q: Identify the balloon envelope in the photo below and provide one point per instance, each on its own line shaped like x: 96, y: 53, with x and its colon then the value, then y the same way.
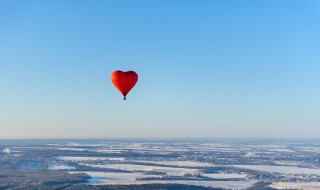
x: 124, y: 81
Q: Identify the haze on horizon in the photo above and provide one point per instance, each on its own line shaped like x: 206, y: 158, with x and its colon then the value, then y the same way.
x: 206, y: 68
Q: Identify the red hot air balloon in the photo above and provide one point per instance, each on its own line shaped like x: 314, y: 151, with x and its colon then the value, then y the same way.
x: 124, y: 81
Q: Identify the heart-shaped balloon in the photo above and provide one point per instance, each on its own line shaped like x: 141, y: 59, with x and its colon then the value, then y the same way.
x: 124, y: 81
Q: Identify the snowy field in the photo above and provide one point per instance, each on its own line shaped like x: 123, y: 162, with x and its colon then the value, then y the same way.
x: 180, y: 163
x: 143, y: 168
x: 281, y: 169
x: 73, y: 149
x: 292, y: 164
x: 60, y: 167
x: 111, y: 151
x: 310, y: 149
x: 112, y: 178
x: 226, y: 176
x: 292, y: 185
x: 77, y: 158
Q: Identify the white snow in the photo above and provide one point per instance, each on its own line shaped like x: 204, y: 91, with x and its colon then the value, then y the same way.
x: 74, y: 149
x: 250, y: 154
x: 288, y: 163
x: 279, y: 150
x: 310, y: 149
x: 132, y: 167
x: 112, y: 178
x: 281, y: 169
x: 60, y: 167
x: 6, y: 150
x: 76, y: 158
x: 110, y: 151
x: 225, y: 175
x: 294, y: 185
x: 180, y: 163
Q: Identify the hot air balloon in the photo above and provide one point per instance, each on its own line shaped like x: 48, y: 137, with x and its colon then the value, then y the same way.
x: 124, y: 81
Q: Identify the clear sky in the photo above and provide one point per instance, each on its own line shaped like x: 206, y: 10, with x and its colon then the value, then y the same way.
x: 206, y: 68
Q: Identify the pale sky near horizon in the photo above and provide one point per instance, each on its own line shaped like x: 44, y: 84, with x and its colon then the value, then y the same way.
x: 206, y: 68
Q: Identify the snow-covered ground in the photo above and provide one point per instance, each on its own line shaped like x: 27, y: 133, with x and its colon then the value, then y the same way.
x: 60, y: 167
x: 215, y: 184
x: 288, y: 163
x: 310, y: 149
x: 110, y: 151
x: 6, y: 150
x: 180, y: 163
x: 138, y: 168
x: 112, y: 178
x: 281, y: 169
x: 225, y: 176
x: 250, y: 154
x: 293, y: 185
x: 77, y: 158
x: 279, y: 150
x: 74, y: 149
x: 266, y: 146
x: 99, y: 178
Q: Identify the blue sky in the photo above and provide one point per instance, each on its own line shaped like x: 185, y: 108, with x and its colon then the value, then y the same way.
x: 206, y: 68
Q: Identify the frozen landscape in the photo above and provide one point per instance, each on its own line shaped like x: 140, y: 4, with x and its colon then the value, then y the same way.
x: 200, y: 163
